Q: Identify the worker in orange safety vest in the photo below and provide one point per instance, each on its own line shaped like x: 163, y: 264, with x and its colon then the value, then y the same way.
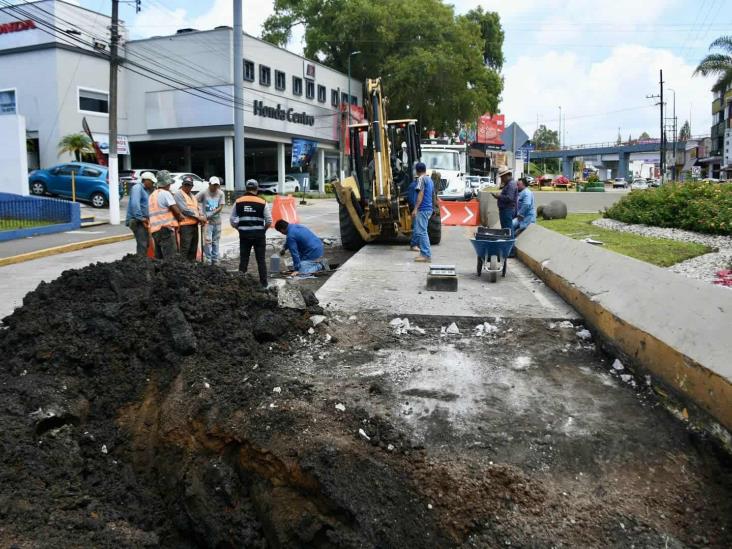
x: 164, y: 216
x: 192, y: 219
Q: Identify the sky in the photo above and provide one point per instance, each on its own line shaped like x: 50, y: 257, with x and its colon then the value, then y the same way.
x: 597, y: 59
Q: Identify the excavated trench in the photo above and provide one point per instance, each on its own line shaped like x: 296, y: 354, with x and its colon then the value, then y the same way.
x: 175, y: 405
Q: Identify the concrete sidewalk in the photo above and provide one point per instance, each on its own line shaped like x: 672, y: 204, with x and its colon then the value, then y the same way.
x: 385, y: 279
x: 25, y: 249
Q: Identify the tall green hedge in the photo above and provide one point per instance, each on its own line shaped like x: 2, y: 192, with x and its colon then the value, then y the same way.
x: 702, y: 207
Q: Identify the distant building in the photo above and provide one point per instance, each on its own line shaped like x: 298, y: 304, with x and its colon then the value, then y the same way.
x: 175, y: 94
x: 719, y: 162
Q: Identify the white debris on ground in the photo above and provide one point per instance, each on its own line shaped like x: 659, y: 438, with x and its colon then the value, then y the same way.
x: 618, y: 366
x: 317, y: 319
x: 584, y: 334
x: 485, y: 329
x: 452, y: 329
x: 363, y: 434
x: 340, y: 407
x: 703, y: 267
x: 277, y: 390
x: 402, y: 326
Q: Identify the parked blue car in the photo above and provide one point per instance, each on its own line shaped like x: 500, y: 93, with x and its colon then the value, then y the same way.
x: 92, y: 182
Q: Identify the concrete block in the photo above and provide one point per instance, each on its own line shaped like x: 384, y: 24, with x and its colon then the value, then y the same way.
x: 675, y: 328
x: 556, y: 209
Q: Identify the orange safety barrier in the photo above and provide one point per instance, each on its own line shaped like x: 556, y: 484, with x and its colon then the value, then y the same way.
x: 284, y: 207
x: 460, y: 213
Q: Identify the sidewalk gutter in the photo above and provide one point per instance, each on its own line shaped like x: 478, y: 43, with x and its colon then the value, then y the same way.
x: 72, y: 247
x: 657, y: 322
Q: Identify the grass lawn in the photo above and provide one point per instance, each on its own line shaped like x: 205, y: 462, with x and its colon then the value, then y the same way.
x: 659, y: 251
x: 15, y: 224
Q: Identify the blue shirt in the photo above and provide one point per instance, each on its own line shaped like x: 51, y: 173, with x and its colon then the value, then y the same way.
x: 137, y: 207
x: 424, y: 183
x: 526, y: 210
x: 303, y: 244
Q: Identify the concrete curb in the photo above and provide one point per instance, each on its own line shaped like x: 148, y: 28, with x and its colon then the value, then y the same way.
x: 673, y: 328
x: 72, y: 247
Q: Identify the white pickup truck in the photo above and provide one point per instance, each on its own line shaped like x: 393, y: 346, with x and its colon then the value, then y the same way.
x: 450, y: 161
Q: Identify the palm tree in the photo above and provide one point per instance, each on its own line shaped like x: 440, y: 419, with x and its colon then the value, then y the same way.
x: 76, y: 144
x: 718, y: 64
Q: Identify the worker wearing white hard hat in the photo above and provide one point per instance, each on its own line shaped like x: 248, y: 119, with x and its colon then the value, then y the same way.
x: 138, y: 216
x: 212, y: 202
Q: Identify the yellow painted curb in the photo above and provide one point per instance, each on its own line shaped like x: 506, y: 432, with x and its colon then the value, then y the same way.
x: 74, y: 246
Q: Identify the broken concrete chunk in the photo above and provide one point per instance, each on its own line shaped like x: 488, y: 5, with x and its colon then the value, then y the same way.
x: 626, y: 378
x: 311, y: 331
x: 340, y: 407
x: 290, y: 297
x: 584, y: 334
x: 397, y: 322
x: 317, y: 319
x: 453, y: 329
x: 618, y: 366
x: 565, y: 324
x: 277, y: 390
x: 363, y: 434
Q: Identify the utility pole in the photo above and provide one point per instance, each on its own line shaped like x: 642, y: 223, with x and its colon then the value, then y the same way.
x: 673, y: 136
x: 663, y: 138
x: 560, y: 127
x: 113, y: 161
x: 238, y: 60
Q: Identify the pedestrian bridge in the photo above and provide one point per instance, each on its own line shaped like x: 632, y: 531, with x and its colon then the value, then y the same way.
x: 622, y: 153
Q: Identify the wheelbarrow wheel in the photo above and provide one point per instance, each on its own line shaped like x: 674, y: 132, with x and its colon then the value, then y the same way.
x: 480, y: 266
x: 493, y: 275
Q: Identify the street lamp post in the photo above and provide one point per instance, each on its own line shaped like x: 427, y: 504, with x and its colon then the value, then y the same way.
x: 560, y: 126
x: 349, y: 82
x: 673, y: 148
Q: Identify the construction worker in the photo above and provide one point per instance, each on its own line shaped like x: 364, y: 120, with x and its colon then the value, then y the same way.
x: 192, y: 219
x: 138, y: 216
x: 164, y: 217
x: 422, y: 212
x: 507, y: 198
x: 212, y: 201
x: 252, y: 216
x: 304, y: 246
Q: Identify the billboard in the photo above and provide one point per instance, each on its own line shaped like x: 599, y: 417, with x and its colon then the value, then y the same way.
x: 302, y: 152
x: 490, y: 129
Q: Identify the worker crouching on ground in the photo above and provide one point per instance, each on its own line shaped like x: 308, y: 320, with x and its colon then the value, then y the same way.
x: 164, y: 217
x: 422, y: 212
x: 192, y: 219
x: 212, y: 201
x: 138, y: 211
x: 526, y: 213
x: 506, y: 198
x: 304, y: 246
x: 252, y: 216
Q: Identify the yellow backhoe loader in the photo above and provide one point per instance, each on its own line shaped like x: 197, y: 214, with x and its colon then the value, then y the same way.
x: 373, y: 200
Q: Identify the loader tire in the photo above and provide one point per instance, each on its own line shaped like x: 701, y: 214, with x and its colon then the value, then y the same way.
x: 350, y: 237
x: 434, y: 229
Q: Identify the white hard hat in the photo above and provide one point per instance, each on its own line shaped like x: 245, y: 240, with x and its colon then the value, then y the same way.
x: 213, y: 180
x: 148, y: 175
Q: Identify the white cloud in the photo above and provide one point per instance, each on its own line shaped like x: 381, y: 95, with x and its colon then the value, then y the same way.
x: 605, y: 90
x: 158, y: 20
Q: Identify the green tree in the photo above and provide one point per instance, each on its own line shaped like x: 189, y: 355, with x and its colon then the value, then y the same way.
x: 685, y: 132
x: 76, y: 144
x: 492, y: 35
x: 545, y: 139
x: 432, y: 62
x: 718, y: 64
x: 644, y: 137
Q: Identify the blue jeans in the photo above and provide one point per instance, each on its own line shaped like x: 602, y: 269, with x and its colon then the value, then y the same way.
x: 307, y: 267
x: 420, y: 237
x: 211, y: 242
x: 506, y: 216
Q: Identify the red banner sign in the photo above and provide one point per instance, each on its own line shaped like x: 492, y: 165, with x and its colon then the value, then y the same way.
x: 17, y: 26
x: 490, y: 129
x: 357, y: 116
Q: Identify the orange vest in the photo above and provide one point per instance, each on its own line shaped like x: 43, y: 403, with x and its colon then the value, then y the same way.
x: 160, y: 217
x: 192, y: 204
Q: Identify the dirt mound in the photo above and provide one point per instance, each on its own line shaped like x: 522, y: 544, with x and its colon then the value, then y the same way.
x: 141, y: 406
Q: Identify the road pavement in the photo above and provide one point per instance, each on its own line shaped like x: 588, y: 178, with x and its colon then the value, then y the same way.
x: 385, y: 279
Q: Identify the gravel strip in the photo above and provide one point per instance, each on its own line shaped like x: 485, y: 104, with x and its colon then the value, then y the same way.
x: 703, y: 267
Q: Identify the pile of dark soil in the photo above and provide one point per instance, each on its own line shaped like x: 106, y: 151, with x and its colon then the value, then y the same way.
x: 140, y: 405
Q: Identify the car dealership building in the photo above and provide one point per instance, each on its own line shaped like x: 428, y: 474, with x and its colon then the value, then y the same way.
x: 175, y: 96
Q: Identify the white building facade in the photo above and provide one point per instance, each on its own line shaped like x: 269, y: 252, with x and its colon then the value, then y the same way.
x: 175, y: 94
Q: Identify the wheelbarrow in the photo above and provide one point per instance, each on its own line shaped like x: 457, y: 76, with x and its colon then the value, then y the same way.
x: 492, y: 246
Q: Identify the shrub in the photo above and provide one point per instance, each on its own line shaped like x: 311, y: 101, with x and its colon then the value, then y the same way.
x: 593, y: 178
x: 702, y: 207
